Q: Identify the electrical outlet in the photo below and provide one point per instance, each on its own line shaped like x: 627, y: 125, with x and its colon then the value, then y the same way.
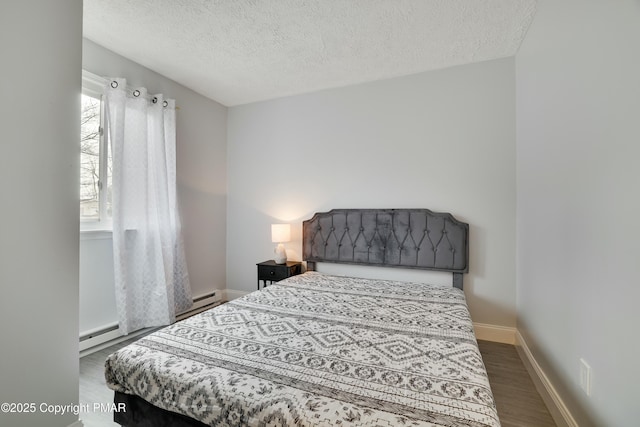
x: 585, y: 377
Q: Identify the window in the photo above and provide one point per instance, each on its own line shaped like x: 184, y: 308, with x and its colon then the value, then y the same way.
x: 95, y: 158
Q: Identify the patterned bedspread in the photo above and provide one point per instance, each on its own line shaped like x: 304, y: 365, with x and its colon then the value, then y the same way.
x: 317, y: 350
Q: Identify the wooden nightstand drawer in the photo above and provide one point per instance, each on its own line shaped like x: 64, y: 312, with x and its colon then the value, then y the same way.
x: 269, y: 271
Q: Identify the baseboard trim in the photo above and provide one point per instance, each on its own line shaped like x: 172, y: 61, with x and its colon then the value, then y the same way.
x: 107, y: 340
x: 495, y: 333
x: 550, y: 396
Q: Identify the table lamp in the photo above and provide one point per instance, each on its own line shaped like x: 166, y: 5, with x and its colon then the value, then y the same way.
x: 280, y: 233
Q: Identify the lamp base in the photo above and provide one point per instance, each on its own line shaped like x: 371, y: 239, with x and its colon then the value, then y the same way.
x: 281, y: 254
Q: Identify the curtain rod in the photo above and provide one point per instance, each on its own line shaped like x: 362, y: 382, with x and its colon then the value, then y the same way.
x: 136, y: 93
x: 101, y: 81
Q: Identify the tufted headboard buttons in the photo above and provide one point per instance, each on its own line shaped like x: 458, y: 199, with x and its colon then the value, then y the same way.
x: 407, y: 238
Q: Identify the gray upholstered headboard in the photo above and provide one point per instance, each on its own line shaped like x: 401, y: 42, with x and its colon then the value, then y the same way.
x: 407, y: 238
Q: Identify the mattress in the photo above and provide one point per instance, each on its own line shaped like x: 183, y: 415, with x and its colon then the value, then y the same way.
x: 317, y: 350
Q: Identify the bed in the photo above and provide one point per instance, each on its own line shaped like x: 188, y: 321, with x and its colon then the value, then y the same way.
x: 323, y: 350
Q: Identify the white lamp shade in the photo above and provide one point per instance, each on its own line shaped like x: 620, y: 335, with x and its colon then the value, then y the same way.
x: 280, y: 233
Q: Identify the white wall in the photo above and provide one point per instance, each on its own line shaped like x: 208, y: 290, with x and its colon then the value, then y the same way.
x: 40, y: 48
x: 578, y: 109
x: 97, y: 293
x: 443, y: 140
x: 201, y: 173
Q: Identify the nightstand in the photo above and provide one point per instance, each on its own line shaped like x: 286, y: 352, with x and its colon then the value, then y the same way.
x: 269, y: 271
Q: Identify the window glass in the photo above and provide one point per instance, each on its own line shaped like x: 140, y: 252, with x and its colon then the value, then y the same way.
x: 95, y: 166
x: 90, y: 159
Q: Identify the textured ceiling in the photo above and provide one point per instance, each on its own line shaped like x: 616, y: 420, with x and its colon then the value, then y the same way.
x: 241, y: 51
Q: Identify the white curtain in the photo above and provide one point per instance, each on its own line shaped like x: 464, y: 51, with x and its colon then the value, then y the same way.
x: 152, y: 283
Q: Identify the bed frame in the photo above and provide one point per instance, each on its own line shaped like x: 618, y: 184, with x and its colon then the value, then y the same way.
x: 405, y: 238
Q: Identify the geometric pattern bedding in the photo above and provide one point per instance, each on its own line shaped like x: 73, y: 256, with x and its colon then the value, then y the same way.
x: 317, y: 350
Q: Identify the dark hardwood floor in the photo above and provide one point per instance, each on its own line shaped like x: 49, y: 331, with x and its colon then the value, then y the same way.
x: 93, y: 387
x: 518, y: 402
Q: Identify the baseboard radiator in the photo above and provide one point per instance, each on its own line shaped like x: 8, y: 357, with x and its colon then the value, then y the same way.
x: 200, y: 304
x: 99, y: 338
